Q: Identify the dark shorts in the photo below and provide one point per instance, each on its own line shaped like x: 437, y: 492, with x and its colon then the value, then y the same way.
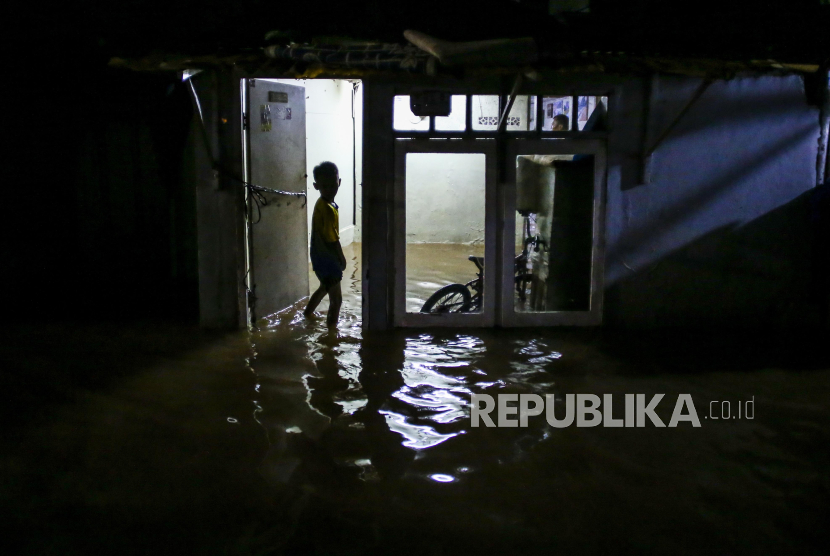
x: 327, y: 270
x: 328, y: 280
x: 326, y: 267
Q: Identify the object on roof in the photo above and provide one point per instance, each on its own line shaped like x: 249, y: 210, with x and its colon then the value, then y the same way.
x: 372, y: 56
x: 494, y: 53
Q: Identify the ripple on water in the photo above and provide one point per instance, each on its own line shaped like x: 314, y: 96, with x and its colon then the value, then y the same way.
x: 396, y: 406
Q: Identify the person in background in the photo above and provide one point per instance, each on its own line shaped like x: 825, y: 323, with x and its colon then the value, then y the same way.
x: 560, y: 123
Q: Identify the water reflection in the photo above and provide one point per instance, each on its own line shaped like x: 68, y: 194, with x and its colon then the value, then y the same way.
x: 298, y: 440
x: 382, y: 421
x: 396, y: 404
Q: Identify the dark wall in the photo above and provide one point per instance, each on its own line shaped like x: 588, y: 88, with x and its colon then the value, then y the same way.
x: 721, y: 232
x: 786, y: 30
x: 98, y: 222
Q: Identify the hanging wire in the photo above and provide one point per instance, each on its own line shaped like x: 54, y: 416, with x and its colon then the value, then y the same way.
x: 255, y: 191
x: 260, y: 200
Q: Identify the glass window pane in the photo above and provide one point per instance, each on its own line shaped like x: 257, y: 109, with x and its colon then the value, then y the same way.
x: 522, y: 115
x: 553, y: 107
x: 592, y: 111
x: 444, y: 228
x: 457, y: 120
x: 554, y: 227
x: 532, y: 113
x: 404, y: 120
x: 485, y: 112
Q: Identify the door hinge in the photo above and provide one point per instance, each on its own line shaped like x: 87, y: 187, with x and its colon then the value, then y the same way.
x: 244, y: 121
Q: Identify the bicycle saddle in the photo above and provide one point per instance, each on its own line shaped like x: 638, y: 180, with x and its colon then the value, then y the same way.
x: 479, y: 261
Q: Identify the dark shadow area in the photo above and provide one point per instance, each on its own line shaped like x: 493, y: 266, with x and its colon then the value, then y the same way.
x: 743, y: 29
x: 99, y: 224
x: 50, y: 364
x: 571, y: 235
x: 121, y: 437
x: 698, y: 351
x: 768, y: 273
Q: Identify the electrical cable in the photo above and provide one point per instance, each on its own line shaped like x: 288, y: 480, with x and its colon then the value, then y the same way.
x: 254, y: 190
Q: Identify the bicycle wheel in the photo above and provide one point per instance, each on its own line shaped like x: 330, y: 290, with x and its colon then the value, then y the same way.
x: 454, y: 298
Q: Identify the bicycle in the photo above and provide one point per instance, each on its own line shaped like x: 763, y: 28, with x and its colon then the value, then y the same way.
x: 467, y: 298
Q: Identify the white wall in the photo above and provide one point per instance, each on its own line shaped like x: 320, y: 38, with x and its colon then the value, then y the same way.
x: 329, y: 136
x: 358, y: 116
x: 445, y: 192
x: 488, y: 106
x: 445, y: 198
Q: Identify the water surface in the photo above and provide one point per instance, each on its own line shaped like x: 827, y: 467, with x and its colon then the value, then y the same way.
x: 295, y: 439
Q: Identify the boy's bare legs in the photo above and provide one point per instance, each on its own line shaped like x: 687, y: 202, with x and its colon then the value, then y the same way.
x: 335, y: 300
x: 315, y: 300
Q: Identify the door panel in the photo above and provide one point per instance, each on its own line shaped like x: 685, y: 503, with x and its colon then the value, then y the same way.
x: 276, y: 149
x: 445, y: 212
x: 554, y: 214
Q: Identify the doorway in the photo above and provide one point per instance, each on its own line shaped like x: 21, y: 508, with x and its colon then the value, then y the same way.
x: 552, y: 242
x: 500, y: 228
x: 445, y: 233
x: 290, y: 126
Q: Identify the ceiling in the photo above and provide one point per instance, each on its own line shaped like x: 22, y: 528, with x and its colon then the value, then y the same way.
x: 784, y: 30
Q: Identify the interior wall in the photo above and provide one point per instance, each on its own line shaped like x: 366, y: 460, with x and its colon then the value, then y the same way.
x: 332, y: 133
x: 718, y: 231
x: 445, y: 198
x: 358, y: 177
x: 486, y: 113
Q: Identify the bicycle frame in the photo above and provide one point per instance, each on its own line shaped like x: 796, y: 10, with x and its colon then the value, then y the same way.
x: 522, y: 276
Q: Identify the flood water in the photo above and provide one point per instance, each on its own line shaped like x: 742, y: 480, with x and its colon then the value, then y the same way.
x: 431, y: 266
x: 157, y: 438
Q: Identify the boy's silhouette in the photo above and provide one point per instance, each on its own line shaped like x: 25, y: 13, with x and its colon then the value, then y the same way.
x: 327, y: 257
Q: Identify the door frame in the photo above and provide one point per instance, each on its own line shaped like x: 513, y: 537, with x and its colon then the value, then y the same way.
x: 593, y: 317
x: 486, y: 147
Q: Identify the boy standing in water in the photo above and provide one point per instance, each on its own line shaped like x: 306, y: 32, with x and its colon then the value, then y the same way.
x: 327, y: 257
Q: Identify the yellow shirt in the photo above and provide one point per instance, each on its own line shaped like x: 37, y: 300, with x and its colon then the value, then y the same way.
x: 325, y: 221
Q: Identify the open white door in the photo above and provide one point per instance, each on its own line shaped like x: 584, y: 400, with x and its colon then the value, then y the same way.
x: 276, y: 158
